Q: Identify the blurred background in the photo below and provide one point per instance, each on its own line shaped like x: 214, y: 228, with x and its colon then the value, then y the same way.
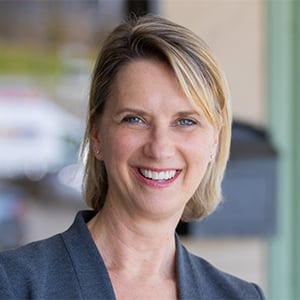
x: 47, y: 52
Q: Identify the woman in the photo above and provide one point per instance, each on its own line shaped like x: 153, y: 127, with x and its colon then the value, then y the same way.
x: 156, y: 146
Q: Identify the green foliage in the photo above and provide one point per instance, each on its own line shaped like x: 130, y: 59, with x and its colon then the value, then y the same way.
x: 25, y: 61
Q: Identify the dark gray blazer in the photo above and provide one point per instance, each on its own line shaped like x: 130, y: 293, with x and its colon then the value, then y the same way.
x: 69, y: 266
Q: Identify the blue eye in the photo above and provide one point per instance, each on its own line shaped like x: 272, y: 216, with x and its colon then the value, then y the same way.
x: 186, y: 122
x: 132, y: 120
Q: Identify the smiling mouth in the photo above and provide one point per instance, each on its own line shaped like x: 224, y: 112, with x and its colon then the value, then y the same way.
x: 158, y: 176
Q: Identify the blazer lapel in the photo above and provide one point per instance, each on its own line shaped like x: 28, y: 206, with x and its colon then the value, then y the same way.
x: 188, y: 280
x: 88, y: 264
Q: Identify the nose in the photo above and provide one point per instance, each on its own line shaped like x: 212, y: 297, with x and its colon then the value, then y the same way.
x: 160, y: 144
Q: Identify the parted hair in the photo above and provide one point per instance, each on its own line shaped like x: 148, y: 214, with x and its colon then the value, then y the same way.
x: 201, y: 79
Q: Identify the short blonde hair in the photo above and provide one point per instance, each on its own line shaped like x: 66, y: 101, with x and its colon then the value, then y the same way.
x: 201, y: 79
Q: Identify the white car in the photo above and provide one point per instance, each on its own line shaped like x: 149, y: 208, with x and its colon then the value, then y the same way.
x: 36, y: 136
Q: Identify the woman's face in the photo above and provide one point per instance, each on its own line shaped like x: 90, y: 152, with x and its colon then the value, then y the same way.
x: 155, y: 146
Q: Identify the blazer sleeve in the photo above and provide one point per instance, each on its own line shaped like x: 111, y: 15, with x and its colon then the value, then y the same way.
x: 6, y: 291
x: 259, y: 291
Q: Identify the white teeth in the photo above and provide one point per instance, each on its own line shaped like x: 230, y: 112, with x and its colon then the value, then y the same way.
x: 163, y: 175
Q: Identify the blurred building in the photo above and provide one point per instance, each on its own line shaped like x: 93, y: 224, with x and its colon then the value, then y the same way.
x: 49, y: 24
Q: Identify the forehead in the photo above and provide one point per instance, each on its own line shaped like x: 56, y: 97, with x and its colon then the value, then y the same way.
x: 146, y: 79
x: 138, y: 72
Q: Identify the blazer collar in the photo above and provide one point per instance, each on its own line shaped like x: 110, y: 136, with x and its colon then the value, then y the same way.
x: 90, y: 268
x: 187, y: 277
x: 92, y: 275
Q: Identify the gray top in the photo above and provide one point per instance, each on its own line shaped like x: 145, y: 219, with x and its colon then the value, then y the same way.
x: 69, y: 266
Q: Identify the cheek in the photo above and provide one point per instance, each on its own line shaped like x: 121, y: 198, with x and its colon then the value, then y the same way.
x: 119, y: 146
x: 200, y: 158
x: 198, y: 153
x: 199, y: 148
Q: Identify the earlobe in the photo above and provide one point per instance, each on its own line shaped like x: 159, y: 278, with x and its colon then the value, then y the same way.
x: 96, y: 143
x: 217, y: 136
x: 215, y: 146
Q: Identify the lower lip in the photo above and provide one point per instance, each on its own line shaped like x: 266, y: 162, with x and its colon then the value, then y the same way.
x: 156, y: 183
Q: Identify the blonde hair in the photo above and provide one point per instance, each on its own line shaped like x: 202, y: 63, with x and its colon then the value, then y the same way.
x: 201, y: 79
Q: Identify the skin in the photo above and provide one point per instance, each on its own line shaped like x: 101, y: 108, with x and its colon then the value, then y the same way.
x: 147, y: 125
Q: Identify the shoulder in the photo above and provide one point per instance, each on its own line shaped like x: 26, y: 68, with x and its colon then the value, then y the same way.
x: 23, y: 268
x: 33, y: 254
x: 51, y: 252
x: 208, y: 280
x: 44, y: 268
x: 228, y: 283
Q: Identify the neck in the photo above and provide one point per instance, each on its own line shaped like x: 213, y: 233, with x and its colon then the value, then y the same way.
x: 139, y: 247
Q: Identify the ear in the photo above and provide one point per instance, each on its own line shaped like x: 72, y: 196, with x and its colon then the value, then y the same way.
x: 96, y: 142
x: 215, y: 143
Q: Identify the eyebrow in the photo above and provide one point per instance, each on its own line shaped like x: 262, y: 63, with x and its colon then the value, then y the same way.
x: 130, y: 110
x: 189, y: 113
x: 145, y: 113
